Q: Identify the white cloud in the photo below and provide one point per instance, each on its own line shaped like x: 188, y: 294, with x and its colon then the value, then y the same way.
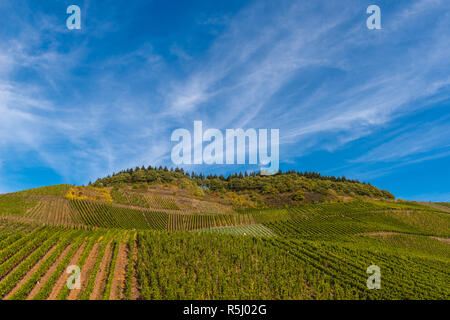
x: 245, y: 71
x: 269, y: 68
x: 434, y: 136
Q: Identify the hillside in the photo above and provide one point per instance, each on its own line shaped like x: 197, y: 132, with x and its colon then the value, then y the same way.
x: 249, y: 190
x: 161, y: 234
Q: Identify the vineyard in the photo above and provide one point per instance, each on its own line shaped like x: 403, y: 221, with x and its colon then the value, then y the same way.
x: 144, y: 247
x: 85, y: 214
x: 445, y: 204
x: 193, y: 222
x: 256, y: 230
x: 329, y: 221
x: 168, y: 203
x: 143, y: 264
x: 144, y: 200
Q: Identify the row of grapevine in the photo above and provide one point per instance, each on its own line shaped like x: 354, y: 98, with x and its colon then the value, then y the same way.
x: 206, y: 207
x: 193, y: 221
x: 13, y: 248
x: 34, y: 212
x: 111, y: 269
x: 25, y: 289
x: 403, y: 278
x: 53, y: 211
x: 144, y: 200
x: 157, y: 220
x: 162, y: 202
x: 98, y: 215
x: 322, y: 224
x: 154, y: 201
x: 10, y: 227
x: 29, y: 260
x: 318, y: 227
x: 130, y: 269
x: 211, y: 266
x: 44, y: 291
x: 95, y: 214
x: 93, y: 277
x: 256, y: 230
x: 218, y: 263
x: 66, y: 291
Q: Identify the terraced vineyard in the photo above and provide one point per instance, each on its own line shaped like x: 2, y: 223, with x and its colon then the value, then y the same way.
x: 52, y: 211
x: 256, y: 230
x: 316, y: 251
x: 157, y: 220
x: 144, y: 200
x: 106, y: 216
x: 445, y: 204
x: 322, y: 221
x: 34, y: 262
x: 345, y: 263
x: 182, y: 204
x: 193, y: 222
x: 57, y: 211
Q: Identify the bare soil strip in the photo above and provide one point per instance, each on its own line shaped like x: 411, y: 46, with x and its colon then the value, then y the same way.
x: 63, y: 278
x: 118, y: 283
x: 102, y: 275
x: 381, y: 233
x: 446, y: 240
x: 30, y: 273
x: 385, y: 233
x: 48, y: 274
x: 85, y: 272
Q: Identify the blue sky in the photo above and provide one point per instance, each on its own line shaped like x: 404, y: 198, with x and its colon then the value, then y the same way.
x: 368, y: 104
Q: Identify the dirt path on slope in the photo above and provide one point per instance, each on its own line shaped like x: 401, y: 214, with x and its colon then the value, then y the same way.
x: 30, y: 273
x: 445, y: 240
x: 381, y: 233
x: 389, y: 233
x: 118, y: 283
x: 102, y: 275
x: 48, y: 274
x: 63, y: 278
x: 85, y: 272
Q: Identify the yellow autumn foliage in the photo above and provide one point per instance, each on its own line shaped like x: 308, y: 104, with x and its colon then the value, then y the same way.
x: 89, y: 193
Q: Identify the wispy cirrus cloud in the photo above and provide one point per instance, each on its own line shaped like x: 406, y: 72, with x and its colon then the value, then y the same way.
x: 246, y: 81
x: 414, y: 142
x: 89, y: 103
